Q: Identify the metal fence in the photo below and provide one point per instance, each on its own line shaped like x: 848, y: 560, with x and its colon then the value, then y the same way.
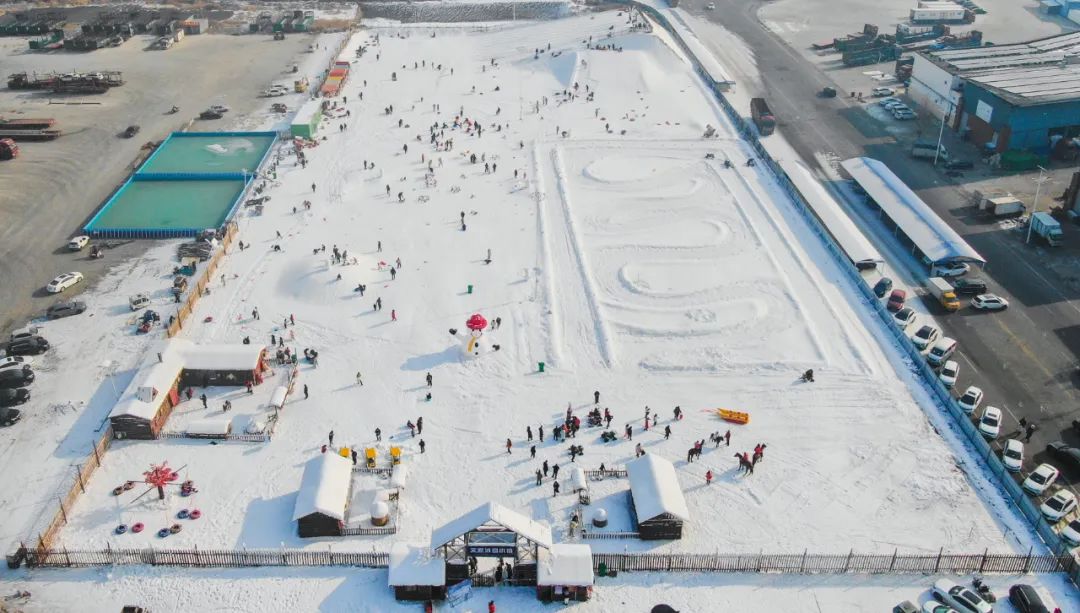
x: 918, y: 365
x: 855, y: 563
x: 263, y: 437
x: 600, y: 475
x: 592, y: 536
x: 203, y: 558
x: 370, y: 531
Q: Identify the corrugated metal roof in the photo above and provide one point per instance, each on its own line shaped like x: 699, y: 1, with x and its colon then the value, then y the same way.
x: 1027, y: 86
x: 1042, y: 51
x: 919, y: 222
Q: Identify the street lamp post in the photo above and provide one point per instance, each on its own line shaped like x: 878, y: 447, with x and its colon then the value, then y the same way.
x: 941, y: 131
x: 1035, y: 205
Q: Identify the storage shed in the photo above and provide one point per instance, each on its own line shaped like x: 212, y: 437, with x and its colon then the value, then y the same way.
x: 206, y: 365
x: 324, y: 495
x: 564, y: 572
x: 416, y: 573
x: 656, y: 499
x: 146, y: 404
x: 306, y: 122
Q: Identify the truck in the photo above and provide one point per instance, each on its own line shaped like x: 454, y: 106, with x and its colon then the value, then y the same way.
x: 762, y: 116
x: 928, y: 150
x: 1002, y: 206
x: 943, y: 291
x: 1047, y: 227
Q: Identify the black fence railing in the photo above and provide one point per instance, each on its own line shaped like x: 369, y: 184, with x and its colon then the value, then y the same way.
x: 203, y: 558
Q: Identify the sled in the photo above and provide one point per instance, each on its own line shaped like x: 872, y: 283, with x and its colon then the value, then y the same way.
x: 735, y: 417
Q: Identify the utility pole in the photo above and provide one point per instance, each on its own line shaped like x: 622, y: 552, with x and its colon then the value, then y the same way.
x: 941, y: 132
x: 1035, y: 205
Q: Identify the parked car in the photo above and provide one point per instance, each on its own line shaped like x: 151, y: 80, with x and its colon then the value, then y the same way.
x: 10, y: 398
x: 1041, y: 478
x: 11, y: 378
x: 218, y: 108
x: 77, y: 243
x: 64, y: 281
x: 65, y: 309
x: 1012, y: 455
x: 906, y: 607
x: 990, y: 422
x: 949, y: 372
x: 905, y: 318
x: 1026, y: 599
x: 878, y: 92
x: 905, y: 114
x: 925, y: 336
x: 890, y: 101
x: 1059, y: 505
x: 208, y: 114
x: 1071, y: 532
x: 933, y: 606
x: 896, y: 300
x: 989, y: 302
x: 10, y: 417
x: 1064, y: 453
x: 27, y: 346
x: 969, y: 286
x: 970, y: 400
x: 15, y: 361
x: 952, y: 269
x: 941, y: 351
x: 882, y: 287
x: 959, y: 597
x: 131, y: 131
x: 959, y: 165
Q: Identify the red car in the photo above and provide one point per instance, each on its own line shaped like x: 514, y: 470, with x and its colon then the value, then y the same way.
x: 896, y: 300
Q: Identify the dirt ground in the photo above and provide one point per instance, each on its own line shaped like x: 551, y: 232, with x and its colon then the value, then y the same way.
x: 53, y: 187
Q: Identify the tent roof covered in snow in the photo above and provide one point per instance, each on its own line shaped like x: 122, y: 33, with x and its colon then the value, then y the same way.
x: 212, y: 357
x: 324, y: 488
x: 496, y: 513
x: 415, y: 565
x: 655, y: 488
x: 565, y: 564
x: 157, y: 375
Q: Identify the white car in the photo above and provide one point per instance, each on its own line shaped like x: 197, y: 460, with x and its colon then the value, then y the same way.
x: 16, y: 361
x: 890, y: 102
x: 959, y: 597
x: 64, y: 281
x: 1041, y: 478
x: 971, y: 400
x: 219, y: 108
x: 77, y: 243
x: 1059, y: 505
x: 952, y: 269
x: 989, y: 302
x: 904, y: 114
x: 925, y: 337
x: 1012, y: 456
x: 933, y: 606
x: 990, y: 423
x: 711, y: 6
x: 1071, y: 532
x: 949, y: 372
x: 905, y: 318
x: 878, y: 92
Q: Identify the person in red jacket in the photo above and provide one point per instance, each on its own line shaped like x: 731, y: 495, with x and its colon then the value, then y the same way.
x: 708, y: 477
x: 491, y: 606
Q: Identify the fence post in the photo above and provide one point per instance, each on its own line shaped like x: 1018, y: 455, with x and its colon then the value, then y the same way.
x: 847, y: 563
x: 937, y: 564
x: 67, y: 558
x: 802, y: 564
x: 78, y: 475
x: 97, y: 458
x: 63, y: 511
x: 982, y: 564
x: 1027, y: 561
x: 892, y: 563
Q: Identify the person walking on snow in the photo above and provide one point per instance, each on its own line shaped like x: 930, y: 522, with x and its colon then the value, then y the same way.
x: 555, y: 486
x: 708, y: 477
x: 667, y: 432
x: 422, y: 445
x: 532, y: 452
x: 491, y: 606
x: 203, y: 398
x: 541, y: 434
x: 359, y: 381
x: 546, y: 468
x: 393, y: 315
x: 678, y: 413
x: 420, y: 425
x: 508, y: 445
x: 727, y: 438
x: 313, y: 188
x: 305, y: 392
x: 555, y: 471
x: 528, y: 432
x: 596, y: 397
x: 331, y: 437
x: 428, y: 377
x: 538, y: 477
x: 378, y: 434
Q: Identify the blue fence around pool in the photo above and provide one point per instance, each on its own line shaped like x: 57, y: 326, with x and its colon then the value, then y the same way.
x: 140, y: 175
x: 1054, y: 542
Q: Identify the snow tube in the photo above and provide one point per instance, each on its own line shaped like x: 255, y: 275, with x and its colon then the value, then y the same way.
x: 117, y: 490
x: 163, y: 533
x: 129, y: 485
x: 122, y: 528
x: 137, y: 527
x: 175, y: 528
x: 182, y: 514
x: 195, y: 514
x: 185, y: 493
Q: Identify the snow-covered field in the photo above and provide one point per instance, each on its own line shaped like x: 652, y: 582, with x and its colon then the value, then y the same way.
x: 621, y: 258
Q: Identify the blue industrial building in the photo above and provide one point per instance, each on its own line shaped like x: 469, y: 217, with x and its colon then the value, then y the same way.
x: 1024, y: 108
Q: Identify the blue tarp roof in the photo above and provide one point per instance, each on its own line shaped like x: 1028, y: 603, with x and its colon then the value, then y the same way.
x: 937, y: 241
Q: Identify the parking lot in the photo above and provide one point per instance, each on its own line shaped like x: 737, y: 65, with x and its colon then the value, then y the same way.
x: 1024, y: 358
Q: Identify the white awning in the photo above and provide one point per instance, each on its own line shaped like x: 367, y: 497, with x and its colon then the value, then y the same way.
x: 850, y: 238
x: 491, y: 512
x: 934, y: 238
x: 655, y: 488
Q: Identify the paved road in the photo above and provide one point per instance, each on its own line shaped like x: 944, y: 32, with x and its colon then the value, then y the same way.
x: 1024, y: 358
